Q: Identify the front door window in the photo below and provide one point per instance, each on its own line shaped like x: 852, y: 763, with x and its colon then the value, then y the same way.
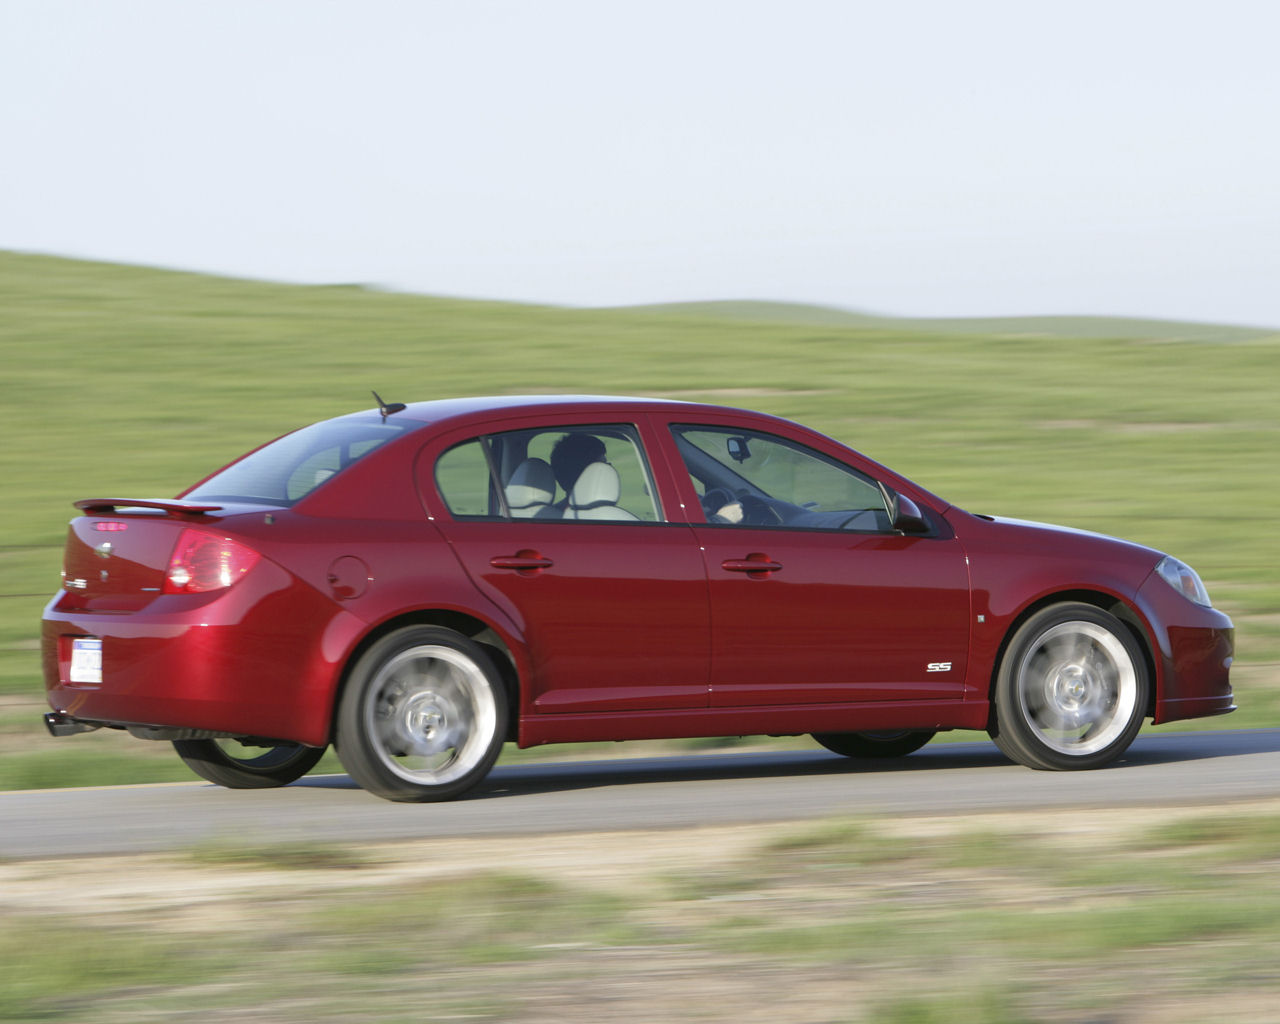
x: 751, y: 479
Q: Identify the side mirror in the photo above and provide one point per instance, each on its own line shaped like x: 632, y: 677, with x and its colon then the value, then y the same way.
x: 907, y: 517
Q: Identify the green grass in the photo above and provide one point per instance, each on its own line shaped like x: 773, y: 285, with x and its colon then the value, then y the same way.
x: 295, y: 856
x: 130, y: 381
x: 78, y: 964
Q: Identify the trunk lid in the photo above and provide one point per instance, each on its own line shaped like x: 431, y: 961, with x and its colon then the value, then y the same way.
x: 118, y: 552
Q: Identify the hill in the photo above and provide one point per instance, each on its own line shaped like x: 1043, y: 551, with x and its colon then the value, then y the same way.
x: 798, y: 314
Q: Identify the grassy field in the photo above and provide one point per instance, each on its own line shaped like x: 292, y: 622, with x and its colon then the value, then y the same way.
x: 128, y: 381
x: 1121, y: 917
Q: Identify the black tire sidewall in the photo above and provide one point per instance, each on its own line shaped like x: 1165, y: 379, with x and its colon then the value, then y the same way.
x: 208, y: 760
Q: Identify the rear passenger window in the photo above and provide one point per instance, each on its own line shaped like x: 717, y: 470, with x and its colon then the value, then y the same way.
x: 591, y: 473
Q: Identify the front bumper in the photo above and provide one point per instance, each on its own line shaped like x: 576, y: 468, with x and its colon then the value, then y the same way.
x: 1195, y: 647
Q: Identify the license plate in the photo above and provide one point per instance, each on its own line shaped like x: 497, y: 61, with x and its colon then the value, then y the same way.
x: 86, y: 660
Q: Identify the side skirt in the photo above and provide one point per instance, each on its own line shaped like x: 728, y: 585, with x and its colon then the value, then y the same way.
x: 763, y: 721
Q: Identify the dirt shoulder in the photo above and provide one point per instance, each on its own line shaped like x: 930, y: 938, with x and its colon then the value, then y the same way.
x: 196, y: 888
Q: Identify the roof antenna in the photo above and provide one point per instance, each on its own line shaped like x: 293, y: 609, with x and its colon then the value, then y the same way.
x: 386, y: 409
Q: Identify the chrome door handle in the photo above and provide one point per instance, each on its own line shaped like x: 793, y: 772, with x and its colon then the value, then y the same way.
x: 527, y: 563
x: 755, y: 564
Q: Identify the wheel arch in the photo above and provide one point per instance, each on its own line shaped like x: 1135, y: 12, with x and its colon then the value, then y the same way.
x: 482, y: 632
x: 1106, y: 602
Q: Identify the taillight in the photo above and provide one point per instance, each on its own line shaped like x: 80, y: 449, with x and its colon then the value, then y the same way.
x: 203, y: 561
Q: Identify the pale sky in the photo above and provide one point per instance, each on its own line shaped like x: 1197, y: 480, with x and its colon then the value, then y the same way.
x: 918, y: 158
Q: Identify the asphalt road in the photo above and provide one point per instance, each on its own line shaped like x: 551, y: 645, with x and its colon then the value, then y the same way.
x: 1206, y: 768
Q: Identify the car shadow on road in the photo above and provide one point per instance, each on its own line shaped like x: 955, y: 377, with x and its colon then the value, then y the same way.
x: 1202, y: 745
x: 546, y: 778
x: 551, y: 776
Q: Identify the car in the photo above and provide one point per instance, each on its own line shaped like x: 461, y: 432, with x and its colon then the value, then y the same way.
x: 417, y: 585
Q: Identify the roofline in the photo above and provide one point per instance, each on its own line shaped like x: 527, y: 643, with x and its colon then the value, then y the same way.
x: 442, y: 410
x: 540, y: 400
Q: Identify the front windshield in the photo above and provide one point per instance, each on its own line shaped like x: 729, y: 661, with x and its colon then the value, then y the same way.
x: 293, y: 466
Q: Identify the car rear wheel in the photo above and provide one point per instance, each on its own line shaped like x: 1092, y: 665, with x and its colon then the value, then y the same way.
x: 423, y: 716
x: 874, y: 744
x: 1071, y: 691
x: 238, y: 766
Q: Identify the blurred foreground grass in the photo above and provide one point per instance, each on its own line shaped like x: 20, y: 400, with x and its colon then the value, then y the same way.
x: 128, y: 381
x: 1061, y: 917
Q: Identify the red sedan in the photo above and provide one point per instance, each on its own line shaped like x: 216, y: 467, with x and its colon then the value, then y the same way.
x: 419, y: 584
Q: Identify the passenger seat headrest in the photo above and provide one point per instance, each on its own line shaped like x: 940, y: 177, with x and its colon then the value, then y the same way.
x: 531, y: 488
x: 597, y: 483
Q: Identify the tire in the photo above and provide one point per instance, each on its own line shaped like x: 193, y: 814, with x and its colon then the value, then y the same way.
x: 874, y: 744
x: 1071, y: 691
x: 423, y: 716
x: 228, y: 763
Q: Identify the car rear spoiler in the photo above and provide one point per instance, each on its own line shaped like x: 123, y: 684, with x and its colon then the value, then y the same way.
x: 170, y: 506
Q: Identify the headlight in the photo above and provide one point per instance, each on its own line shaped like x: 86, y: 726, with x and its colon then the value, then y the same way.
x: 1184, y: 580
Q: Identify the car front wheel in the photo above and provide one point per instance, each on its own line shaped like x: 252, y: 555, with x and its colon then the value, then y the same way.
x: 1071, y: 691
x: 423, y: 715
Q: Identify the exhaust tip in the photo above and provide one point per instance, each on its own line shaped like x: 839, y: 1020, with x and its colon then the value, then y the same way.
x: 61, y: 724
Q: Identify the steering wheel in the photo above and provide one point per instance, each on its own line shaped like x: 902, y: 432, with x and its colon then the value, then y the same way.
x: 715, y: 499
x: 758, y: 512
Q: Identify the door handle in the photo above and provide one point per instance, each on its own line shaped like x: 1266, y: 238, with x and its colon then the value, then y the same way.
x: 757, y: 564
x: 526, y: 563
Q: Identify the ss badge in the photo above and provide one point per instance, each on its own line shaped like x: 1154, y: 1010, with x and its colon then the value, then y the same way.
x: 939, y: 666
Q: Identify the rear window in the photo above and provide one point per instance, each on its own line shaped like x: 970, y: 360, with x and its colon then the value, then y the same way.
x: 292, y: 467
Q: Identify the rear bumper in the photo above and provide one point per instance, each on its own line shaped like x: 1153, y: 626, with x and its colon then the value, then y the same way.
x: 249, y: 661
